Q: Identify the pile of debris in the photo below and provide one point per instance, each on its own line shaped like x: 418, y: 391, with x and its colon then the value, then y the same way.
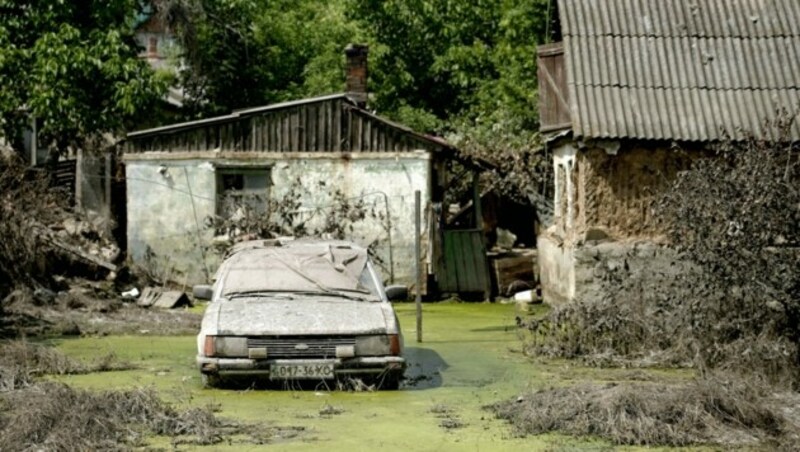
x: 56, y: 261
x: 43, y: 236
x: 86, y: 240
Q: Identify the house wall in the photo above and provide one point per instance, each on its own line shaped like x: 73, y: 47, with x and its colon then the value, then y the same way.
x: 603, y: 215
x: 164, y: 210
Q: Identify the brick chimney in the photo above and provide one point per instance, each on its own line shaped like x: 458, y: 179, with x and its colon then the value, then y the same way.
x: 356, y: 72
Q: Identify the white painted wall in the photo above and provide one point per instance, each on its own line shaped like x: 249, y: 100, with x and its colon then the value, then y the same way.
x: 165, y: 207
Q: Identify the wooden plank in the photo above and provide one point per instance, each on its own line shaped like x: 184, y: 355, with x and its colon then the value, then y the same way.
x: 319, y: 119
x: 283, y: 136
x: 458, y: 254
x: 480, y: 265
x: 272, y: 139
x: 346, y: 135
x: 337, y: 125
x: 263, y: 134
x: 311, y: 128
x: 293, y: 135
x: 300, y: 130
x: 255, y: 133
x: 358, y: 131
x: 366, y: 144
x: 326, y: 123
x: 449, y: 282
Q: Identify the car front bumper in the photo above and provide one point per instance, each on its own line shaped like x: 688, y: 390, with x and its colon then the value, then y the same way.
x: 359, y: 366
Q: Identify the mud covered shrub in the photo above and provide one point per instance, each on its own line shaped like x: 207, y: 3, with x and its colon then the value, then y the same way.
x: 712, y: 410
x: 291, y: 214
x: 734, y: 222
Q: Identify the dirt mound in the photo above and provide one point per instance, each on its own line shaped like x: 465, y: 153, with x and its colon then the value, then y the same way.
x: 707, y: 411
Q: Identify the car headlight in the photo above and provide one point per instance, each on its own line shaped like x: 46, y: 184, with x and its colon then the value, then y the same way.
x: 378, y: 345
x: 225, y: 346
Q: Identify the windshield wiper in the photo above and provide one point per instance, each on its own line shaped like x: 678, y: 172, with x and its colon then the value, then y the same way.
x: 337, y: 293
x: 259, y: 293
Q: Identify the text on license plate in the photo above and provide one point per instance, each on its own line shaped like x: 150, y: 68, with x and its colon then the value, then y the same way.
x: 307, y: 370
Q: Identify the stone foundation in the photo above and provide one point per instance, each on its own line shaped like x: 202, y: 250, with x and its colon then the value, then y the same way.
x: 570, y: 273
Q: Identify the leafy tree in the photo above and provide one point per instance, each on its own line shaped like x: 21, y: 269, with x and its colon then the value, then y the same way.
x: 455, y: 58
x: 74, y: 66
x: 242, y: 53
x: 466, y: 70
x: 460, y: 68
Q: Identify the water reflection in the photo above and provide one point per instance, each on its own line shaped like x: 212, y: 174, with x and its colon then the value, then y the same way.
x: 425, y: 367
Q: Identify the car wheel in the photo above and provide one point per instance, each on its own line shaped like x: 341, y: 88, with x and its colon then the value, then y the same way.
x: 388, y: 382
x: 211, y: 380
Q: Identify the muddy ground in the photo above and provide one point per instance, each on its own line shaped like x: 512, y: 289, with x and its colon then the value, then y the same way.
x: 470, y: 358
x: 467, y: 374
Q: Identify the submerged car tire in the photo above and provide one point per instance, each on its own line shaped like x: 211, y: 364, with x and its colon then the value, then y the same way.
x: 388, y: 382
x: 211, y: 380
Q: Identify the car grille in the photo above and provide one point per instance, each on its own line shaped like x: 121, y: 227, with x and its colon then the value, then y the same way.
x: 300, y: 347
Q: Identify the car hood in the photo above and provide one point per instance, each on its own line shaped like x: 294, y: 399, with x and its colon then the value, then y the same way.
x: 266, y: 317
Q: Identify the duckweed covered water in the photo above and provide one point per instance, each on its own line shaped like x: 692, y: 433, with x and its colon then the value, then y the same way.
x: 470, y: 357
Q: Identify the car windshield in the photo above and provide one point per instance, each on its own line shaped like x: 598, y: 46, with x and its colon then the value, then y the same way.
x: 340, y: 272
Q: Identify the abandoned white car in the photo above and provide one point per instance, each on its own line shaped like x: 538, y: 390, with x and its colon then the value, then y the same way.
x: 299, y: 310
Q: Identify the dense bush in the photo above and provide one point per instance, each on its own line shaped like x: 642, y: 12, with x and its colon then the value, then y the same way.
x: 734, y: 220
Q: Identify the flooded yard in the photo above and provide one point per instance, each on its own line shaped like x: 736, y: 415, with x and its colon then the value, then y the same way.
x: 470, y: 357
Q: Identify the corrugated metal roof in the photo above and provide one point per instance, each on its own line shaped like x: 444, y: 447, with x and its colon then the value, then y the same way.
x: 681, y: 69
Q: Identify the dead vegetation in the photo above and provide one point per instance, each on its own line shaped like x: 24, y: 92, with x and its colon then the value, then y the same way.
x: 735, y: 221
x: 448, y: 418
x: 706, y: 411
x: 42, y: 236
x: 50, y: 416
x: 21, y: 362
x: 56, y: 417
x: 729, y: 307
x: 54, y: 262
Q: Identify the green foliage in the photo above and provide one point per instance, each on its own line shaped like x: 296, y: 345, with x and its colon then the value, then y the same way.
x: 242, y: 53
x: 456, y: 59
x: 465, y: 69
x: 74, y: 66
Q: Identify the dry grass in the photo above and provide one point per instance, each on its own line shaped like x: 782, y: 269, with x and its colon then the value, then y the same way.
x: 706, y: 411
x: 54, y: 417
x: 50, y: 416
x: 21, y: 362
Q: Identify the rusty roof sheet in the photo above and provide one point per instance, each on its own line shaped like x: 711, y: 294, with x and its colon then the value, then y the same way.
x: 691, y: 70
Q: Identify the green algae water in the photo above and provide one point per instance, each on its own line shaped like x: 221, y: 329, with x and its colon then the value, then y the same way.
x: 470, y: 357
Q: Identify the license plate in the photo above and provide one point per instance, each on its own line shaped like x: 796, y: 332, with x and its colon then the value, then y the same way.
x: 301, y: 371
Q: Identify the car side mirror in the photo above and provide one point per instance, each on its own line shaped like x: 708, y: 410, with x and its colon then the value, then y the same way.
x: 397, y: 293
x: 202, y: 292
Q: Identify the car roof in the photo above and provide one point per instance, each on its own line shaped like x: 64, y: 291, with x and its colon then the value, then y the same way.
x: 307, y: 264
x: 290, y: 245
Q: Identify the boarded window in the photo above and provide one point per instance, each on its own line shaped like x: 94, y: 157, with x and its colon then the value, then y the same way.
x: 554, y: 112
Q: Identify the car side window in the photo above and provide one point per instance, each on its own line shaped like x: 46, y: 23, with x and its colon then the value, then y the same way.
x: 366, y: 281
